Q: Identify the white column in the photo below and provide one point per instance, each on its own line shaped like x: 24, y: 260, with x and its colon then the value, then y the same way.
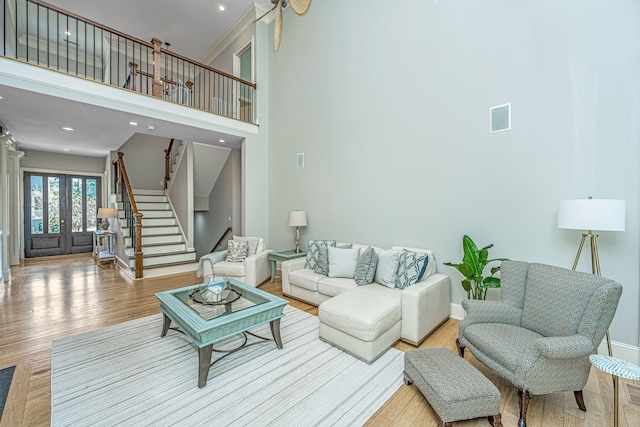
x: 4, y: 210
x: 15, y: 248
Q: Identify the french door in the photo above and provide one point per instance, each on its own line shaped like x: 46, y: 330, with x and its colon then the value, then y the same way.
x: 60, y: 213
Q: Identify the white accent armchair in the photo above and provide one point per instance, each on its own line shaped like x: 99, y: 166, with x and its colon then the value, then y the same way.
x: 255, y: 269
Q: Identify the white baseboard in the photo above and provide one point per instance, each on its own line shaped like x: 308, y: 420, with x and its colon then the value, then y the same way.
x: 623, y: 351
x: 457, y: 312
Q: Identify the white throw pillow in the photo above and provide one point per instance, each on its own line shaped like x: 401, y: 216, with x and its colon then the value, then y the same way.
x: 342, y: 262
x: 387, y: 269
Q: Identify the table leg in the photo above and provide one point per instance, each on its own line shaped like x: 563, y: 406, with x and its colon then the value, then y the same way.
x: 273, y: 270
x: 204, y: 363
x: 275, y: 330
x: 615, y: 401
x: 166, y: 322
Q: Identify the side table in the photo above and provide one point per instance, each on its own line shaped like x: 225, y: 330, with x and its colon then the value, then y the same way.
x: 617, y: 368
x: 103, y: 251
x: 279, y: 256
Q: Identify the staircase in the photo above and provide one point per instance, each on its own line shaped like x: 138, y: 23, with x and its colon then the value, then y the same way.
x: 163, y: 244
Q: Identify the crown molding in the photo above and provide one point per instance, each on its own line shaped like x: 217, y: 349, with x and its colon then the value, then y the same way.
x: 248, y: 18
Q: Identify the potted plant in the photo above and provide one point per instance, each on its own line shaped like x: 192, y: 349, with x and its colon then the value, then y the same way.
x: 472, y: 268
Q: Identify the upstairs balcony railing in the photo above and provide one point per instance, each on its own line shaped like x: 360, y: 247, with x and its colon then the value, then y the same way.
x: 41, y: 34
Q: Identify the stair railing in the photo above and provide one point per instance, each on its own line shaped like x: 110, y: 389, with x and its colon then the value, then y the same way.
x: 228, y: 230
x: 132, y: 216
x: 167, y: 164
x: 44, y: 35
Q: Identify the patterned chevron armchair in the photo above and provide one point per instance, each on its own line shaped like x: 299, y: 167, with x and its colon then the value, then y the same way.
x: 540, y: 334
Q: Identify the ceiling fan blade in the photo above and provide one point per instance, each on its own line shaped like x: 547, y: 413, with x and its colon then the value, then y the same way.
x: 278, y: 29
x: 300, y: 7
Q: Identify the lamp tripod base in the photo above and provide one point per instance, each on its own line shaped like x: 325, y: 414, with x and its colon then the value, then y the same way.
x: 595, y: 266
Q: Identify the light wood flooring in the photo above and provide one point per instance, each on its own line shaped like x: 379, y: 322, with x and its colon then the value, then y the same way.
x: 53, y: 298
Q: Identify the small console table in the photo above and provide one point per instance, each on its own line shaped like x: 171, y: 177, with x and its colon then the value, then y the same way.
x: 103, y: 251
x: 279, y: 256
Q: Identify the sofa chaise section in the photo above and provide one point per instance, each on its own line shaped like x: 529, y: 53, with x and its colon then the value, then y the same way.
x: 366, y: 320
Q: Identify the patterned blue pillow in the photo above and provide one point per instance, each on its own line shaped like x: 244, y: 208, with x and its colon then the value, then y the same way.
x: 313, y: 253
x: 411, y: 268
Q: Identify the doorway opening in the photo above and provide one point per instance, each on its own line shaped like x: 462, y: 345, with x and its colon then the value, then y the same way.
x: 60, y: 213
x: 243, y: 67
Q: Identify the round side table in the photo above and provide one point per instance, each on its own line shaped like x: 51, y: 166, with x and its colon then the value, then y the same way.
x: 619, y: 369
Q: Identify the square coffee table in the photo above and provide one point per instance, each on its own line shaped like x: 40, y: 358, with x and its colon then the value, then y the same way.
x: 279, y: 256
x: 206, y: 323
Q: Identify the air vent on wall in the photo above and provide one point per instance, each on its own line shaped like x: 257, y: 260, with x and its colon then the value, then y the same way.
x: 500, y: 118
x: 300, y: 160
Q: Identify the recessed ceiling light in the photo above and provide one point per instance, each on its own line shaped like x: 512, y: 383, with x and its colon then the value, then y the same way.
x: 1, y: 97
x: 151, y: 127
x: 221, y: 141
x: 68, y: 33
x: 68, y: 128
x: 133, y: 123
x: 66, y: 149
x: 222, y: 8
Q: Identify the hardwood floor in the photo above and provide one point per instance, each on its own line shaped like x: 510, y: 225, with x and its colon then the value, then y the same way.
x: 50, y: 299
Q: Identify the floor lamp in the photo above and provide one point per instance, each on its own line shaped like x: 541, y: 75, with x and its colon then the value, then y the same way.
x: 592, y: 214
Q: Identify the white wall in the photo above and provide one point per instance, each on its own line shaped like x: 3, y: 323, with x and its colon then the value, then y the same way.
x: 210, y: 224
x: 42, y: 160
x: 180, y: 193
x: 390, y: 106
x: 144, y: 159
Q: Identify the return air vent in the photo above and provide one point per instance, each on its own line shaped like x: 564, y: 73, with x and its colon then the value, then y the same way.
x: 500, y: 118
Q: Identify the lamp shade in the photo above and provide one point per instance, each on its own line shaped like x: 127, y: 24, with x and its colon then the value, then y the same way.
x: 592, y: 214
x: 106, y: 213
x: 297, y: 219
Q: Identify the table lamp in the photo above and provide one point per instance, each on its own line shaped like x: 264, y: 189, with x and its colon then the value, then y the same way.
x: 297, y: 219
x: 105, y: 214
x: 592, y: 214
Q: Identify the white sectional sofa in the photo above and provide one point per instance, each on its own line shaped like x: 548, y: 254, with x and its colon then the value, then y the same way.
x: 366, y: 320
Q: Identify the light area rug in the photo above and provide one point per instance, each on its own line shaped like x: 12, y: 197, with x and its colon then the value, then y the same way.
x: 127, y: 375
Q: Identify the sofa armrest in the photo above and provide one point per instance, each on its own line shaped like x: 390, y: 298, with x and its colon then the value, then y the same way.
x: 488, y: 312
x: 425, y: 306
x: 257, y: 268
x: 564, y: 347
x: 288, y: 267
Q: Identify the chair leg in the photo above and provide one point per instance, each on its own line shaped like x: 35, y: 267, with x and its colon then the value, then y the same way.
x: 407, y: 379
x: 495, y: 420
x: 580, y: 400
x: 524, y: 396
x: 460, y: 347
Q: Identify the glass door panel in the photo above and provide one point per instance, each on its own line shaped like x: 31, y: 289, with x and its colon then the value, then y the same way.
x: 53, y: 205
x: 36, y: 198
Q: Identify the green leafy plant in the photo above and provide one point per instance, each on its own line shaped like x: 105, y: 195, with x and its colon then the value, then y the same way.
x: 472, y: 268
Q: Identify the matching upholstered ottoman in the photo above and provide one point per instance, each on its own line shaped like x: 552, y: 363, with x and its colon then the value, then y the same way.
x: 454, y: 388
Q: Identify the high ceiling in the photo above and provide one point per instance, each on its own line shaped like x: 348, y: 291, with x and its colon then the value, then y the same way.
x: 192, y: 27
